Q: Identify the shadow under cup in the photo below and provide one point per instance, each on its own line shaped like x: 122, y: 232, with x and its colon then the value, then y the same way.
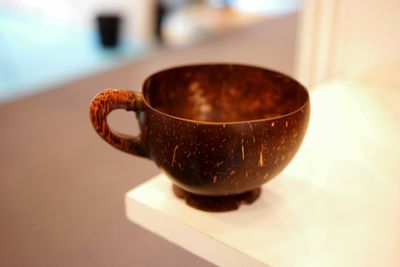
x: 218, y: 131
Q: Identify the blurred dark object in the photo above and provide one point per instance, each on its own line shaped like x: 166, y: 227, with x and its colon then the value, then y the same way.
x: 109, y: 29
x: 161, y: 11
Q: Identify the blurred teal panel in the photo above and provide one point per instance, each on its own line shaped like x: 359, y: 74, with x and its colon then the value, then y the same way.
x: 37, y: 53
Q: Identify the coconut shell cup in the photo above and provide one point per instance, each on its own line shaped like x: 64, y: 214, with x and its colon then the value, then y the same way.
x: 218, y: 131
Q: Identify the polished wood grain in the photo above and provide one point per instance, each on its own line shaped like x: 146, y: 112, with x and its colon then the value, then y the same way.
x: 107, y: 101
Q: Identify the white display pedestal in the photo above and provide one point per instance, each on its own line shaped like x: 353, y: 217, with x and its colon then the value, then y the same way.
x: 336, y: 204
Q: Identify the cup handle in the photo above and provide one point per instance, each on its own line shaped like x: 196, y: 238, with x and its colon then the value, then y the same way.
x: 107, y: 101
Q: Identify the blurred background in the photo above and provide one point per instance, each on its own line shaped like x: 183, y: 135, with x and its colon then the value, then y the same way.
x: 61, y: 187
x: 44, y: 43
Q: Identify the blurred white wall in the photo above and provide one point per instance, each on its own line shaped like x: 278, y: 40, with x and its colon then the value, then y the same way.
x: 371, y: 35
x: 71, y: 11
x: 346, y: 37
x: 137, y: 14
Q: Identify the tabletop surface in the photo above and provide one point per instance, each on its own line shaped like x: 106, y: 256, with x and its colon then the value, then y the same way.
x: 336, y: 204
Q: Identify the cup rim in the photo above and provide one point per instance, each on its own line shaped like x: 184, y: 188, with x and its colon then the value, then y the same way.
x: 306, y: 102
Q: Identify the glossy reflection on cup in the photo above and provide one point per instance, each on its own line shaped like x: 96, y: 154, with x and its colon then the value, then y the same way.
x: 214, y: 129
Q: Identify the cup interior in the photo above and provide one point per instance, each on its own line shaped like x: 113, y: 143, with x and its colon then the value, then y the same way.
x: 223, y: 93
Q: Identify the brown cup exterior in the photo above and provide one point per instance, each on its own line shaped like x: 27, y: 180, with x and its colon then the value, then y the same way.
x: 215, y: 158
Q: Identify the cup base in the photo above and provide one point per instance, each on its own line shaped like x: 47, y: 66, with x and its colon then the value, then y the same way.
x: 217, y: 203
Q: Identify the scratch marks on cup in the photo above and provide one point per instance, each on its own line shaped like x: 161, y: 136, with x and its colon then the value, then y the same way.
x: 173, y: 157
x: 215, y: 179
x: 219, y: 164
x: 261, y: 159
x: 242, y: 150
